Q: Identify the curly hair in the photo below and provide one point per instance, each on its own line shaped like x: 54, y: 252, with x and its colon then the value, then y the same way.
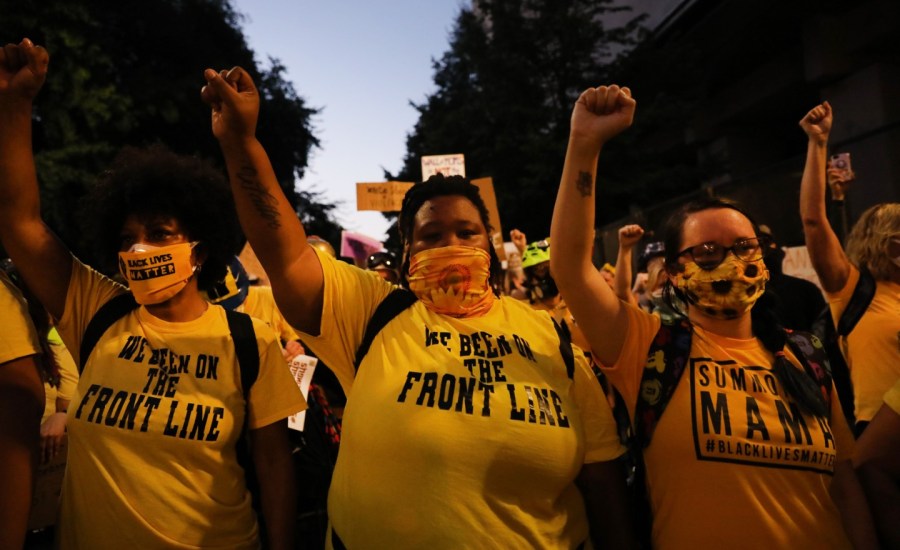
x: 442, y: 186
x: 154, y: 182
x: 867, y: 244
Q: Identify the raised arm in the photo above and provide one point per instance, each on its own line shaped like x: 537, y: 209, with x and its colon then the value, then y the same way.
x: 43, y: 261
x: 271, y: 225
x: 599, y: 114
x: 629, y: 235
x: 825, y: 252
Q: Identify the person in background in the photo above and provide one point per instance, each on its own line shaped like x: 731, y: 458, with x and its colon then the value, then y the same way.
x: 161, y: 402
x: 798, y: 301
x: 385, y: 265
x: 877, y: 461
x: 237, y: 293
x: 437, y: 450
x: 629, y: 236
x: 872, y: 258
x: 514, y: 278
x: 706, y: 483
x: 543, y: 295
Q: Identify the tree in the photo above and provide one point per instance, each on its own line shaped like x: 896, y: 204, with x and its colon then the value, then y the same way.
x: 129, y: 73
x: 505, y: 89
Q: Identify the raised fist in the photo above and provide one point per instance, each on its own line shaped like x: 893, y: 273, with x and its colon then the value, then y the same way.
x: 817, y: 123
x: 630, y: 235
x: 234, y: 101
x: 23, y: 69
x: 600, y: 114
x: 518, y: 239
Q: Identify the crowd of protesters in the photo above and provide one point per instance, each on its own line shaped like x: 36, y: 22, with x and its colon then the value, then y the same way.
x: 540, y: 402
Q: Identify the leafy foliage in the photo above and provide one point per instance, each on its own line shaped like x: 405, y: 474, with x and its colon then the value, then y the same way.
x: 129, y: 73
x: 505, y: 89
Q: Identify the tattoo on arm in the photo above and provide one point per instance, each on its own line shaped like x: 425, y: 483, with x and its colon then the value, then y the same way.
x: 584, y: 184
x: 266, y: 205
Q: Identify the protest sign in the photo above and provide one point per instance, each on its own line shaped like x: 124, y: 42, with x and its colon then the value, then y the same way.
x: 383, y: 197
x: 449, y: 165
x: 302, y: 368
x: 486, y: 189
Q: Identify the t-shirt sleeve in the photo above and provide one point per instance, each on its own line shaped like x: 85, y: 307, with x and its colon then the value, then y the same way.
x: 837, y: 301
x: 275, y: 394
x: 350, y: 298
x: 628, y: 369
x: 600, y: 433
x: 88, y: 290
x: 892, y: 397
x: 18, y: 337
x: 68, y: 371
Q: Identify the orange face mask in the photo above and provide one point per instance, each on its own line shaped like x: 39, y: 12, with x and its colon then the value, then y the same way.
x: 155, y: 274
x: 453, y: 280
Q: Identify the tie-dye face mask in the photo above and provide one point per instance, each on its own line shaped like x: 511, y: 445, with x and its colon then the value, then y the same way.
x: 453, y: 280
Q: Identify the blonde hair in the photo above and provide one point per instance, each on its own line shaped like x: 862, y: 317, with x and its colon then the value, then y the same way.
x: 867, y: 244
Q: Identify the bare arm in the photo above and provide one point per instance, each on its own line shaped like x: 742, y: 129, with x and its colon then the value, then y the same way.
x: 602, y: 485
x: 271, y: 450
x: 43, y: 261
x: 825, y: 251
x: 271, y: 225
x: 629, y: 236
x: 877, y: 462
x: 598, y: 115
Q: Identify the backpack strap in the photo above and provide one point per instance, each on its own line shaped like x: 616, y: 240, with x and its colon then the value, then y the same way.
x: 565, y: 347
x: 109, y: 313
x: 668, y: 355
x: 858, y: 304
x: 395, y: 303
x: 245, y: 348
x: 812, y: 355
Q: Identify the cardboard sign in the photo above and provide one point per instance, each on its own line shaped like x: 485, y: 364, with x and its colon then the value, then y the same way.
x: 449, y: 165
x: 383, y: 197
x: 302, y: 368
x: 486, y: 189
x: 358, y: 246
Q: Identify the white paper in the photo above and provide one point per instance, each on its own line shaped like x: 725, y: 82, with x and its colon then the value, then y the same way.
x: 302, y: 368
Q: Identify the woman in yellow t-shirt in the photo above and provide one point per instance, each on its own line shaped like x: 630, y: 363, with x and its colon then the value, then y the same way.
x: 465, y: 426
x: 877, y: 460
x: 159, y: 408
x: 871, y: 348
x: 745, y: 451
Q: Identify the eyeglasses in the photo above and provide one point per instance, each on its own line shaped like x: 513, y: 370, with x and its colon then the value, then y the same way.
x: 709, y: 255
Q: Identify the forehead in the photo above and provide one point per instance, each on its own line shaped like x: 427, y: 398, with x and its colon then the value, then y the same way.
x: 446, y: 210
x: 720, y: 225
x: 137, y: 222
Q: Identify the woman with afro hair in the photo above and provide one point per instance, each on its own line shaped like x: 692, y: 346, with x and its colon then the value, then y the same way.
x: 160, y: 407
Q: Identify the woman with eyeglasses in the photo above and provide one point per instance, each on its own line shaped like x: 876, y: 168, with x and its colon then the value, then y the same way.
x: 739, y: 444
x: 872, y: 260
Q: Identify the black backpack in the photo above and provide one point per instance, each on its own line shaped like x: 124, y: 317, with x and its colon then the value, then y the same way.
x: 834, y: 339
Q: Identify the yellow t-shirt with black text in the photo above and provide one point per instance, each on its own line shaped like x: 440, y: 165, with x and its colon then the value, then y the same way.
x: 18, y: 337
x: 732, y: 462
x: 260, y: 304
x: 458, y: 433
x: 872, y: 348
x: 153, y: 425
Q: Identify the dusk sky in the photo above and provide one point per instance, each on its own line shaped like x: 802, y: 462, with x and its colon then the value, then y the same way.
x: 361, y: 62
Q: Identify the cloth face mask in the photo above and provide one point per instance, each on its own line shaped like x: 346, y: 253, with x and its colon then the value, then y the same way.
x: 452, y: 280
x: 726, y: 292
x: 157, y: 273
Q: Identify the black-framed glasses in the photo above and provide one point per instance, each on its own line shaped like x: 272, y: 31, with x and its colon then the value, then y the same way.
x: 711, y: 254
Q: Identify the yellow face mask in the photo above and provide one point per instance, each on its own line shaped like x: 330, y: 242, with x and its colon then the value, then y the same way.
x: 726, y: 292
x: 453, y: 280
x: 155, y: 274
